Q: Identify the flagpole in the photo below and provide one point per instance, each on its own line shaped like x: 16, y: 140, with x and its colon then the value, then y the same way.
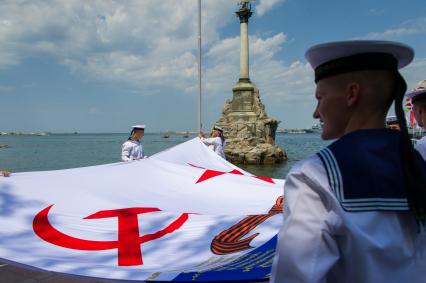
x: 200, y: 125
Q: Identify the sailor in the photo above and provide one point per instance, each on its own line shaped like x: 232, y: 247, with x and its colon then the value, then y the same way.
x: 216, y: 142
x: 132, y: 149
x: 355, y: 211
x: 418, y: 100
x: 392, y: 123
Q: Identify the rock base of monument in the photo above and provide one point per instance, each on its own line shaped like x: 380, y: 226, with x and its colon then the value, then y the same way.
x: 256, y: 155
x: 249, y: 132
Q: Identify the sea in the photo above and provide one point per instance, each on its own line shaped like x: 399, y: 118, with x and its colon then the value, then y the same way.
x: 26, y: 153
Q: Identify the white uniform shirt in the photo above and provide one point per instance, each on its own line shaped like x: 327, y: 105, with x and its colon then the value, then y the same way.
x: 132, y: 150
x: 321, y: 242
x: 218, y: 145
x: 421, y: 147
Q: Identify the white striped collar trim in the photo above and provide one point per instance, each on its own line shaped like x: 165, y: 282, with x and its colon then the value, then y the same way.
x: 356, y: 204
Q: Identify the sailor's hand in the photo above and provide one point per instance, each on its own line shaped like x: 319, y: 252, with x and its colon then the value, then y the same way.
x: 201, y: 134
x: 5, y: 173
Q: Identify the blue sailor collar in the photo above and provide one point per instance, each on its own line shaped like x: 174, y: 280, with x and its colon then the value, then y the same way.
x: 364, y: 170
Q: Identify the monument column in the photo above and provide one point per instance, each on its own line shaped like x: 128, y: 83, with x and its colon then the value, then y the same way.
x: 249, y: 132
x: 244, y: 14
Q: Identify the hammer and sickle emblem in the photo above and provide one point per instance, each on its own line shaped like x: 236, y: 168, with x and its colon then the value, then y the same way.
x: 230, y: 241
x: 128, y: 243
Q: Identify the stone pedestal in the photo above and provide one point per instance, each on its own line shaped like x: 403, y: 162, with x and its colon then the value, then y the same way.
x: 249, y: 132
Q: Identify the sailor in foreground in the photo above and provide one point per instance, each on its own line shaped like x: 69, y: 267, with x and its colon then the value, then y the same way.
x: 355, y: 211
x: 418, y: 99
x: 217, y: 141
x: 132, y: 149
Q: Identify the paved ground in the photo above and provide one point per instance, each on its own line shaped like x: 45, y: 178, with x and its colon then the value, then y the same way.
x: 12, y: 274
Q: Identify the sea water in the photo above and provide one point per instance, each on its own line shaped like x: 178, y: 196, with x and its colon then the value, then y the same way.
x: 62, y: 151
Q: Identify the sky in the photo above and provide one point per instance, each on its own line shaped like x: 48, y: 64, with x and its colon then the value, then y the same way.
x: 103, y: 66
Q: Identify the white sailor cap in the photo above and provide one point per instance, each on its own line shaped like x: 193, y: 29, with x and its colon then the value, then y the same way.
x: 391, y: 119
x: 333, y: 58
x: 418, y: 93
x: 218, y: 128
x: 139, y: 127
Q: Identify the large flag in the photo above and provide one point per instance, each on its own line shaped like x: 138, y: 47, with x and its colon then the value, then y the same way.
x: 184, y: 214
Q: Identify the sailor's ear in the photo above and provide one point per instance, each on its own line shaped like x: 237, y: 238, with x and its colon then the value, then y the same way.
x: 353, y: 90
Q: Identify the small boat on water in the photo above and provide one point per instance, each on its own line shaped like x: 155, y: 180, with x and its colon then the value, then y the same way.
x: 166, y: 135
x: 316, y: 128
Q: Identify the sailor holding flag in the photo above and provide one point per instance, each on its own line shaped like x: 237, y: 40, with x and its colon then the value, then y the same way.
x: 132, y: 149
x: 217, y: 141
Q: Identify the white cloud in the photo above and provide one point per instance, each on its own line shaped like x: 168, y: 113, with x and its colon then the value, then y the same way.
x: 411, y: 27
x: 143, y: 44
x: 266, y: 5
x: 93, y: 110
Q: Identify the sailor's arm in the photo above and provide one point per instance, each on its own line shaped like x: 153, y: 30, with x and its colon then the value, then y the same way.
x: 210, y: 141
x: 306, y: 249
x: 126, y: 150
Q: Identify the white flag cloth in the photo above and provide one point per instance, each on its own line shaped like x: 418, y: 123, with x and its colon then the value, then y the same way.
x: 184, y: 214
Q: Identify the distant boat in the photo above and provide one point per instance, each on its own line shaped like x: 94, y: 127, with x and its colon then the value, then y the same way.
x: 75, y: 133
x: 166, y: 135
x: 316, y: 128
x: 186, y: 135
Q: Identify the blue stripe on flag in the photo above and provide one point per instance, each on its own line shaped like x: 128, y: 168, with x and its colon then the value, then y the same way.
x: 253, y: 266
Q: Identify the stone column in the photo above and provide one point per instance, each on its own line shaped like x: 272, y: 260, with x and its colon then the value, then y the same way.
x: 244, y: 14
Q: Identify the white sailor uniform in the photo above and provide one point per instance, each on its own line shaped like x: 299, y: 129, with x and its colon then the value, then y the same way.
x: 346, y: 216
x: 217, y: 143
x: 132, y: 150
x: 421, y: 147
x: 419, y: 93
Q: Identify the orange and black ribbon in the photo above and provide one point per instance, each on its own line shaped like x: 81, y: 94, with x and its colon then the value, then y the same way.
x: 230, y: 240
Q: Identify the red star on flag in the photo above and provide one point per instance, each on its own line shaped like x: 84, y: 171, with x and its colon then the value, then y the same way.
x: 208, y: 174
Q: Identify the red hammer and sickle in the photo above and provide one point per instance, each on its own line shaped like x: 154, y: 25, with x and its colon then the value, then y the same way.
x: 128, y: 243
